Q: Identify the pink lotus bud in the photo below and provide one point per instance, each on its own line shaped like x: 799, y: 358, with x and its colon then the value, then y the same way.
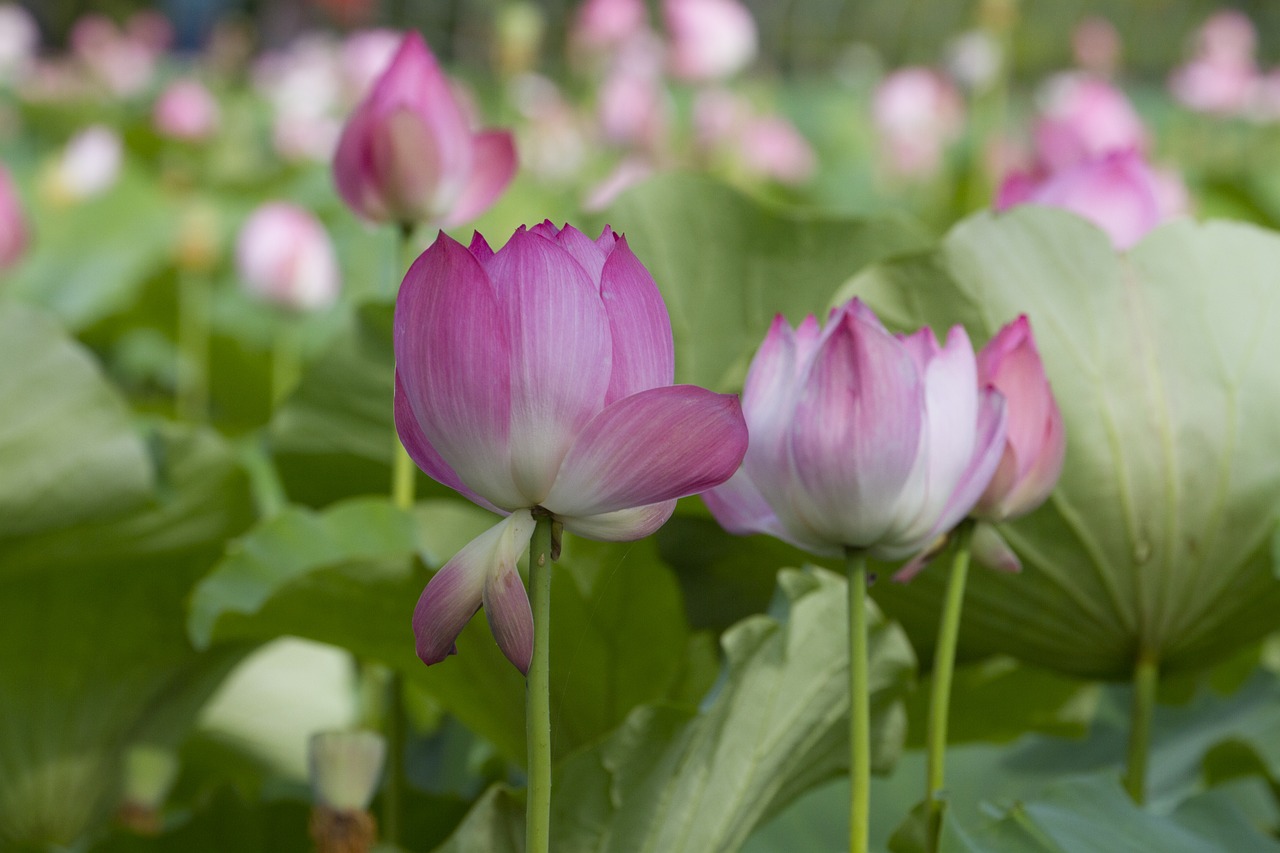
x: 186, y: 110
x: 601, y: 25
x: 539, y: 376
x: 1227, y: 36
x: 771, y: 146
x: 917, y: 113
x: 13, y: 224
x: 1083, y: 118
x: 1096, y: 46
x: 633, y: 105
x: 89, y: 164
x: 1034, y: 440
x: 710, y: 39
x: 284, y: 256
x: 1119, y: 193
x: 1219, y: 87
x: 408, y: 155
x: 861, y: 439
x: 365, y: 57
x: 122, y: 62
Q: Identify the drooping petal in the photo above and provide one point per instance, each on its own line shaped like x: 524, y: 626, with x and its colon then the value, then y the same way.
x: 1038, y: 482
x: 653, y: 446
x: 493, y: 165
x: 856, y: 434
x: 453, y: 356
x: 990, y: 550
x: 643, y: 351
x: 560, y: 355
x: 623, y: 525
x: 456, y: 592
x: 506, y: 606
x: 425, y: 456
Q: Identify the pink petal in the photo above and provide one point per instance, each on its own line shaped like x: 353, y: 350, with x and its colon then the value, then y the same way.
x: 623, y: 525
x: 585, y: 251
x: 492, y: 168
x: 353, y: 172
x: 990, y: 550
x: 405, y: 164
x: 506, y: 606
x: 414, y: 79
x: 987, y: 451
x: 456, y: 592
x: 424, y: 455
x: 479, y: 247
x: 452, y: 356
x: 856, y: 434
x: 559, y: 360
x: 643, y: 351
x: 653, y: 446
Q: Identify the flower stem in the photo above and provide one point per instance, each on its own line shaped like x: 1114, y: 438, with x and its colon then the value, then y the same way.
x: 286, y: 360
x: 194, y: 296
x: 403, y: 469
x: 1146, y: 681
x: 538, y: 691
x: 944, y: 662
x: 859, y: 704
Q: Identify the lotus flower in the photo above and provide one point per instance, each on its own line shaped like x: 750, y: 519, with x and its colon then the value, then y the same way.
x: 285, y: 256
x: 537, y: 379
x: 13, y: 224
x: 1083, y: 118
x: 917, y: 113
x: 1034, y: 441
x: 1119, y: 193
x: 600, y: 25
x: 186, y: 110
x: 861, y: 439
x: 710, y: 39
x: 89, y: 164
x: 408, y: 154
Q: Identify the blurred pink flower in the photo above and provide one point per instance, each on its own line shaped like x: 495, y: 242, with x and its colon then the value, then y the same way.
x: 285, y: 257
x: 365, y: 56
x: 917, y: 112
x: 709, y: 39
x: 632, y: 104
x: 601, y: 25
x: 771, y: 146
x: 538, y: 379
x: 408, y: 154
x: 1119, y: 193
x: 89, y: 163
x: 186, y: 110
x: 1083, y: 117
x: 1227, y: 36
x: 861, y: 439
x: 625, y: 175
x: 19, y: 42
x: 14, y: 234
x: 1096, y: 46
x: 1224, y: 87
x: 123, y: 61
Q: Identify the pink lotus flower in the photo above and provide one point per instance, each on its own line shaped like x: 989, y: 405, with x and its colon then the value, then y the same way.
x: 89, y: 164
x: 365, y: 57
x: 917, y: 113
x: 1083, y: 118
x: 1119, y: 193
x: 14, y: 235
x: 538, y: 379
x: 1035, y: 443
x: 601, y: 25
x: 772, y: 147
x: 1223, y: 87
x: 861, y: 439
x: 633, y: 106
x: 408, y: 155
x: 284, y: 256
x: 186, y: 110
x: 710, y: 39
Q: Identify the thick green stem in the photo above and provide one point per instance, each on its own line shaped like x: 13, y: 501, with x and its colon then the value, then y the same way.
x: 944, y: 662
x: 1146, y: 681
x: 859, y: 705
x: 403, y: 469
x: 538, y: 691
x: 194, y: 296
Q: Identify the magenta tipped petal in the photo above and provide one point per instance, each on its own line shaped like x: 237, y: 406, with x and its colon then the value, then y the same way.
x: 623, y: 525
x: 653, y: 446
x: 493, y: 167
x: 643, y: 352
x: 506, y: 606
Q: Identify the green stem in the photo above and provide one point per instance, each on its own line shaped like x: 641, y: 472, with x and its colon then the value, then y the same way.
x: 194, y: 296
x: 1146, y: 681
x: 286, y: 359
x: 859, y: 704
x: 944, y: 662
x: 538, y: 691
x: 403, y: 469
x: 397, y: 739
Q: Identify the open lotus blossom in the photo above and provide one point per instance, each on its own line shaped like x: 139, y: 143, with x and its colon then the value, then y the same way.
x: 186, y: 110
x: 537, y: 379
x: 861, y: 439
x: 284, y: 256
x: 1119, y: 193
x: 408, y: 153
x: 709, y: 39
x: 13, y: 224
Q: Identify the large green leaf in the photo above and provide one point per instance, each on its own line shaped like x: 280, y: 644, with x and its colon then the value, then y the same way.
x: 68, y: 451
x: 726, y: 265
x: 348, y: 576
x: 673, y: 779
x: 1095, y: 814
x: 93, y: 652
x: 1163, y: 361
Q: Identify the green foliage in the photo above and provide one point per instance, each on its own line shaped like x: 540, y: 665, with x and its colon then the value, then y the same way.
x: 675, y: 779
x: 1162, y: 359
